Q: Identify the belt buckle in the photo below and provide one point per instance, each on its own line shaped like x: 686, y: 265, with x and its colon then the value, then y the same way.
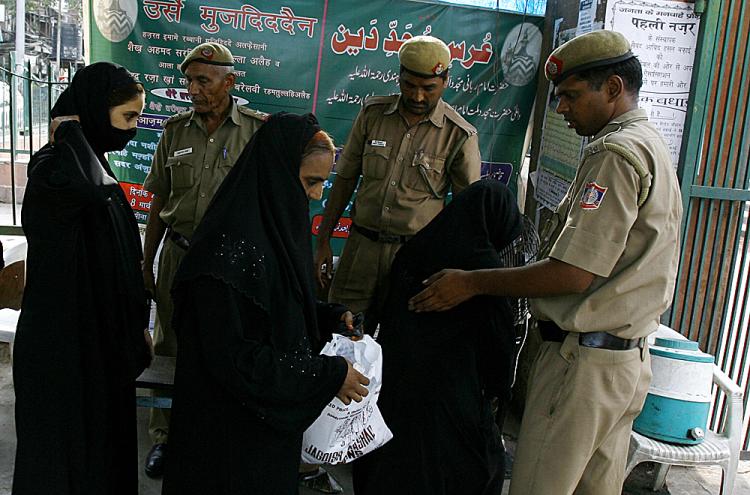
x: 388, y: 238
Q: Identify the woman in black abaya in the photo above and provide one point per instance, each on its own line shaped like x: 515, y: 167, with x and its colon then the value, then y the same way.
x: 82, y: 337
x: 249, y: 379
x: 441, y: 369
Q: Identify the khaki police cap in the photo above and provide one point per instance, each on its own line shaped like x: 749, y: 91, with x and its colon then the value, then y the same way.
x: 425, y: 55
x: 208, y: 53
x: 588, y: 51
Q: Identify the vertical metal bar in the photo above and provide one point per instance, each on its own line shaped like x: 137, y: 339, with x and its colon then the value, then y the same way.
x: 741, y: 67
x: 743, y: 158
x: 13, y: 131
x: 741, y: 308
x: 703, y: 70
x: 49, y: 90
x: 696, y: 316
x: 31, y: 105
x: 692, y: 282
x: 721, y: 291
x: 712, y: 160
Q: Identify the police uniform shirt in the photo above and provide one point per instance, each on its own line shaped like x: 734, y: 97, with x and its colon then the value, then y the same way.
x: 632, y: 251
x: 404, y: 173
x: 189, y: 165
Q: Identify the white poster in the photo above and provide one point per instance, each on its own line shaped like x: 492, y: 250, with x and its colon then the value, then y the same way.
x: 663, y: 33
x: 586, y: 16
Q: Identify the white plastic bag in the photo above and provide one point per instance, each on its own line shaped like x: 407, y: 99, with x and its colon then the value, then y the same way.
x: 344, y: 433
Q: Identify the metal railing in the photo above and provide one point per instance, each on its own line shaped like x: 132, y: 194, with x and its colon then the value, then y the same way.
x: 25, y: 105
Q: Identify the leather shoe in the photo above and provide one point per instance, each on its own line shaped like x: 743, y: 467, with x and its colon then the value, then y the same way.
x: 320, y: 480
x: 155, y: 460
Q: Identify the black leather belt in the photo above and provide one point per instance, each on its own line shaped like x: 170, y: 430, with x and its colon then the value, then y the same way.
x: 600, y: 340
x: 381, y: 237
x: 180, y: 240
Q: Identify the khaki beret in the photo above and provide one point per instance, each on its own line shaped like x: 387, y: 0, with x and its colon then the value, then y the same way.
x: 208, y: 53
x: 425, y: 55
x: 588, y: 51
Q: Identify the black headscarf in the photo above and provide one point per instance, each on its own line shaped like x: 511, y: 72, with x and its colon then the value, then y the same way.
x: 455, y: 359
x: 255, y: 235
x: 469, y: 233
x: 87, y: 96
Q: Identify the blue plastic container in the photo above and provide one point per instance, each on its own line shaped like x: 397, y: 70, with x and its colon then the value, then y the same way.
x: 679, y: 398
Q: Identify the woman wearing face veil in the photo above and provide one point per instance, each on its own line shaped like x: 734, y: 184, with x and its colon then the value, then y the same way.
x: 441, y: 369
x: 249, y: 379
x: 80, y: 342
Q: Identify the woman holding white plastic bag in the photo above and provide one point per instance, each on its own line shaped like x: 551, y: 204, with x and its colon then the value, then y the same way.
x: 249, y: 379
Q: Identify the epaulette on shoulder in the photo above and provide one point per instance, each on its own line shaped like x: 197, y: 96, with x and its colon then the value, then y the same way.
x: 178, y: 117
x: 605, y: 144
x: 257, y: 114
x: 452, y: 115
x: 380, y: 100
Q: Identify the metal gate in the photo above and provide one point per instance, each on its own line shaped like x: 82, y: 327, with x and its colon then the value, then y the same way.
x: 711, y: 302
x: 25, y: 104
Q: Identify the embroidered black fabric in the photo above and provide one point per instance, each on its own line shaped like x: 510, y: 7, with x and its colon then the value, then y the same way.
x: 255, y: 235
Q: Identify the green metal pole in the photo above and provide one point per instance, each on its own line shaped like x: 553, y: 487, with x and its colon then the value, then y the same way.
x: 13, y: 131
x: 30, y: 103
x: 49, y: 91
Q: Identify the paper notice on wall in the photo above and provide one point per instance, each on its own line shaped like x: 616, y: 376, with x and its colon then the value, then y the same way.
x: 550, y: 188
x: 586, y: 16
x: 663, y: 33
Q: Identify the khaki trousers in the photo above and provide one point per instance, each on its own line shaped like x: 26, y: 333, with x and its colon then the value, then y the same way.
x: 361, y: 279
x: 580, y: 408
x: 165, y: 341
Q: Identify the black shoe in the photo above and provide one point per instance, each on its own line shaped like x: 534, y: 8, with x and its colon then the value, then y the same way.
x: 155, y: 460
x: 321, y: 481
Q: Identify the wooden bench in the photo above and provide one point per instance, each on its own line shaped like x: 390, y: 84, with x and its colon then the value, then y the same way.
x: 159, y: 376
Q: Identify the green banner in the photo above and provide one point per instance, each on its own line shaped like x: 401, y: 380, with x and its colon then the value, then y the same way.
x: 324, y: 56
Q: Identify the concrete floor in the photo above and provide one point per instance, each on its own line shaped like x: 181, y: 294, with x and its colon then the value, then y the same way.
x: 680, y: 481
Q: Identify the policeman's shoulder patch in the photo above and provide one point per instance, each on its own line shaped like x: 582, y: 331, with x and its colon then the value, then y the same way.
x: 452, y: 115
x: 592, y: 196
x: 177, y: 117
x: 257, y: 114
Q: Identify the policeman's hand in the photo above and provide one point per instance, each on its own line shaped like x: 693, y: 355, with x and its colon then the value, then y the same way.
x: 348, y: 319
x: 56, y: 123
x: 149, y: 281
x: 353, y: 388
x: 446, y: 289
x: 149, y: 342
x: 352, y: 326
x: 324, y: 264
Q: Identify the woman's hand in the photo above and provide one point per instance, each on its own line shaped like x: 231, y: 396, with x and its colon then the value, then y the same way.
x: 56, y: 123
x: 353, y: 388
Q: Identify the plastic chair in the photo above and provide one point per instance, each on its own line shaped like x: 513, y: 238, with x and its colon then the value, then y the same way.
x: 718, y: 448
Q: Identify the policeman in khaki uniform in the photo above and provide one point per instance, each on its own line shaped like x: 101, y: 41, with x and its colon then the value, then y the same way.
x: 196, y: 151
x: 410, y: 149
x: 609, y: 262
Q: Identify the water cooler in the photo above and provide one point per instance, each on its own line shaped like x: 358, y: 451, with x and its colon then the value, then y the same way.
x: 678, y: 401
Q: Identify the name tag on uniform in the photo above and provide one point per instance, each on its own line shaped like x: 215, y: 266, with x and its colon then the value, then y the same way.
x: 379, y: 144
x: 184, y: 152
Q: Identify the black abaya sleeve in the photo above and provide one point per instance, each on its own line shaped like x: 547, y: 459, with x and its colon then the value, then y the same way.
x: 229, y: 337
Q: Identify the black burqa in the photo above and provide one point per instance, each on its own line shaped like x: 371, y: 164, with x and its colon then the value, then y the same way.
x: 79, y: 344
x: 249, y: 379
x: 441, y: 369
